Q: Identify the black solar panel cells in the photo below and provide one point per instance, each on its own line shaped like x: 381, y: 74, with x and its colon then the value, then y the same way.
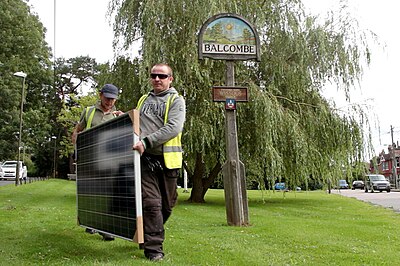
x: 106, y: 199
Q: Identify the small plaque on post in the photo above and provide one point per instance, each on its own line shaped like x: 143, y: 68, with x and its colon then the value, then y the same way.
x: 230, y: 104
x: 222, y: 93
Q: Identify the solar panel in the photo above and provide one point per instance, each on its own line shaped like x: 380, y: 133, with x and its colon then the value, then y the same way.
x: 109, y: 197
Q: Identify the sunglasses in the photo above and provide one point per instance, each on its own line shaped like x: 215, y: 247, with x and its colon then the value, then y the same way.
x: 160, y: 76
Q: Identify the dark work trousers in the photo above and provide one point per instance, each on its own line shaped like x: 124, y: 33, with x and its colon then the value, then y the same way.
x: 159, y: 196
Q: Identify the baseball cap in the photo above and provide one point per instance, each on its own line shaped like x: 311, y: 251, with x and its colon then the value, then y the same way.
x: 110, y: 91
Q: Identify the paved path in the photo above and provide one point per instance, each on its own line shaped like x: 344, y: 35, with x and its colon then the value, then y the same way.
x: 389, y: 200
x: 4, y: 182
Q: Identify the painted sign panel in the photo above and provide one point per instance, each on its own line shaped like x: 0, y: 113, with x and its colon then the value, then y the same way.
x: 228, y: 36
x: 221, y: 94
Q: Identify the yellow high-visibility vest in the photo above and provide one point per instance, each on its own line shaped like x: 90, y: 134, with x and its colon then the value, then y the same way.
x: 90, y: 111
x: 89, y: 116
x: 172, y: 149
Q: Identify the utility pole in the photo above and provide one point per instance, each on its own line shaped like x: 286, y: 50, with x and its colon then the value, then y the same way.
x: 54, y: 155
x: 393, y: 157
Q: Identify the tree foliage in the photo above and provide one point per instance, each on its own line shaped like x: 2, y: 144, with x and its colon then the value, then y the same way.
x: 23, y: 48
x: 287, y: 129
x: 73, y: 74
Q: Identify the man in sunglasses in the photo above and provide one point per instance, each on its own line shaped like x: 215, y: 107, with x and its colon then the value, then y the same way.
x: 162, y: 115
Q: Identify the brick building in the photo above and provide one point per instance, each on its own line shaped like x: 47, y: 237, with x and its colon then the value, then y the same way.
x: 384, y: 164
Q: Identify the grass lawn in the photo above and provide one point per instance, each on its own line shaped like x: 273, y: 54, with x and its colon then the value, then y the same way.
x: 38, y: 227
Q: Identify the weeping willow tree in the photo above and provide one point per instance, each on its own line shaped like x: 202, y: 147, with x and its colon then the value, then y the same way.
x: 287, y: 129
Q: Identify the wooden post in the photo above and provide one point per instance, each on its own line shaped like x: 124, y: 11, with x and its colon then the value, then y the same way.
x: 394, y: 161
x: 233, y: 169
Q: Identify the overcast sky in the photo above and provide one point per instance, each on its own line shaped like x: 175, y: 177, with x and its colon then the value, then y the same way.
x: 82, y: 29
x: 379, y: 88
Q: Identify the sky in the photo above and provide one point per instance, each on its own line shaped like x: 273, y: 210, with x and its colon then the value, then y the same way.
x: 379, y: 89
x: 82, y: 28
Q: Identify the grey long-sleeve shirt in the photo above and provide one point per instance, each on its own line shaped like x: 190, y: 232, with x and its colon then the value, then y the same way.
x: 152, y: 114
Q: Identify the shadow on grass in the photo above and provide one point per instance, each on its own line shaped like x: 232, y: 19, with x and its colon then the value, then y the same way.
x: 256, y: 198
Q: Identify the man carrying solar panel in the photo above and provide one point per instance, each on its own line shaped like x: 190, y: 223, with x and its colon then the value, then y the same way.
x: 101, y: 112
x: 91, y: 116
x: 162, y: 115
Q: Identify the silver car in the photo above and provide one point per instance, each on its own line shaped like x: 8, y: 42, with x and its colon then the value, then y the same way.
x: 375, y: 182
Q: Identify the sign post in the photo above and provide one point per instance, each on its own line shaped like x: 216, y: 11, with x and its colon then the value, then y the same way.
x: 230, y: 37
x: 233, y: 169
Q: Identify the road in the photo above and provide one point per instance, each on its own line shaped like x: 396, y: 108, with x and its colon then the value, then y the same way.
x: 388, y: 200
x: 6, y: 182
x: 10, y: 182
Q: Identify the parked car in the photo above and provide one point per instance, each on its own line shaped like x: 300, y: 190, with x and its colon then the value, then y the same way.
x: 357, y: 184
x: 9, y: 168
x: 376, y: 182
x: 280, y: 186
x: 343, y: 184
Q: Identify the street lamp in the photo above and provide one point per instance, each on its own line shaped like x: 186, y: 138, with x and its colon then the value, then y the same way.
x: 22, y: 75
x: 54, y: 156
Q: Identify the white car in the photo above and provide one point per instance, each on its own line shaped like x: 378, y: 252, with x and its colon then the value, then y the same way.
x: 9, y: 169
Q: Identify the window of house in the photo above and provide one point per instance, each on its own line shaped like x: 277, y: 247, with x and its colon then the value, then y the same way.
x: 385, y: 166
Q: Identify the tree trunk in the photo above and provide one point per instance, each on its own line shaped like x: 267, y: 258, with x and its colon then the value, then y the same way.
x: 197, y: 191
x: 211, y: 177
x: 200, y: 184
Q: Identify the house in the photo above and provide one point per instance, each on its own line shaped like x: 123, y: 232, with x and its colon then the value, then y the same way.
x: 384, y: 164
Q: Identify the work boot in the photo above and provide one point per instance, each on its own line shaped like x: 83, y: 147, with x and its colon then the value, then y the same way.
x: 155, y: 256
x: 90, y: 231
x: 106, y: 237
